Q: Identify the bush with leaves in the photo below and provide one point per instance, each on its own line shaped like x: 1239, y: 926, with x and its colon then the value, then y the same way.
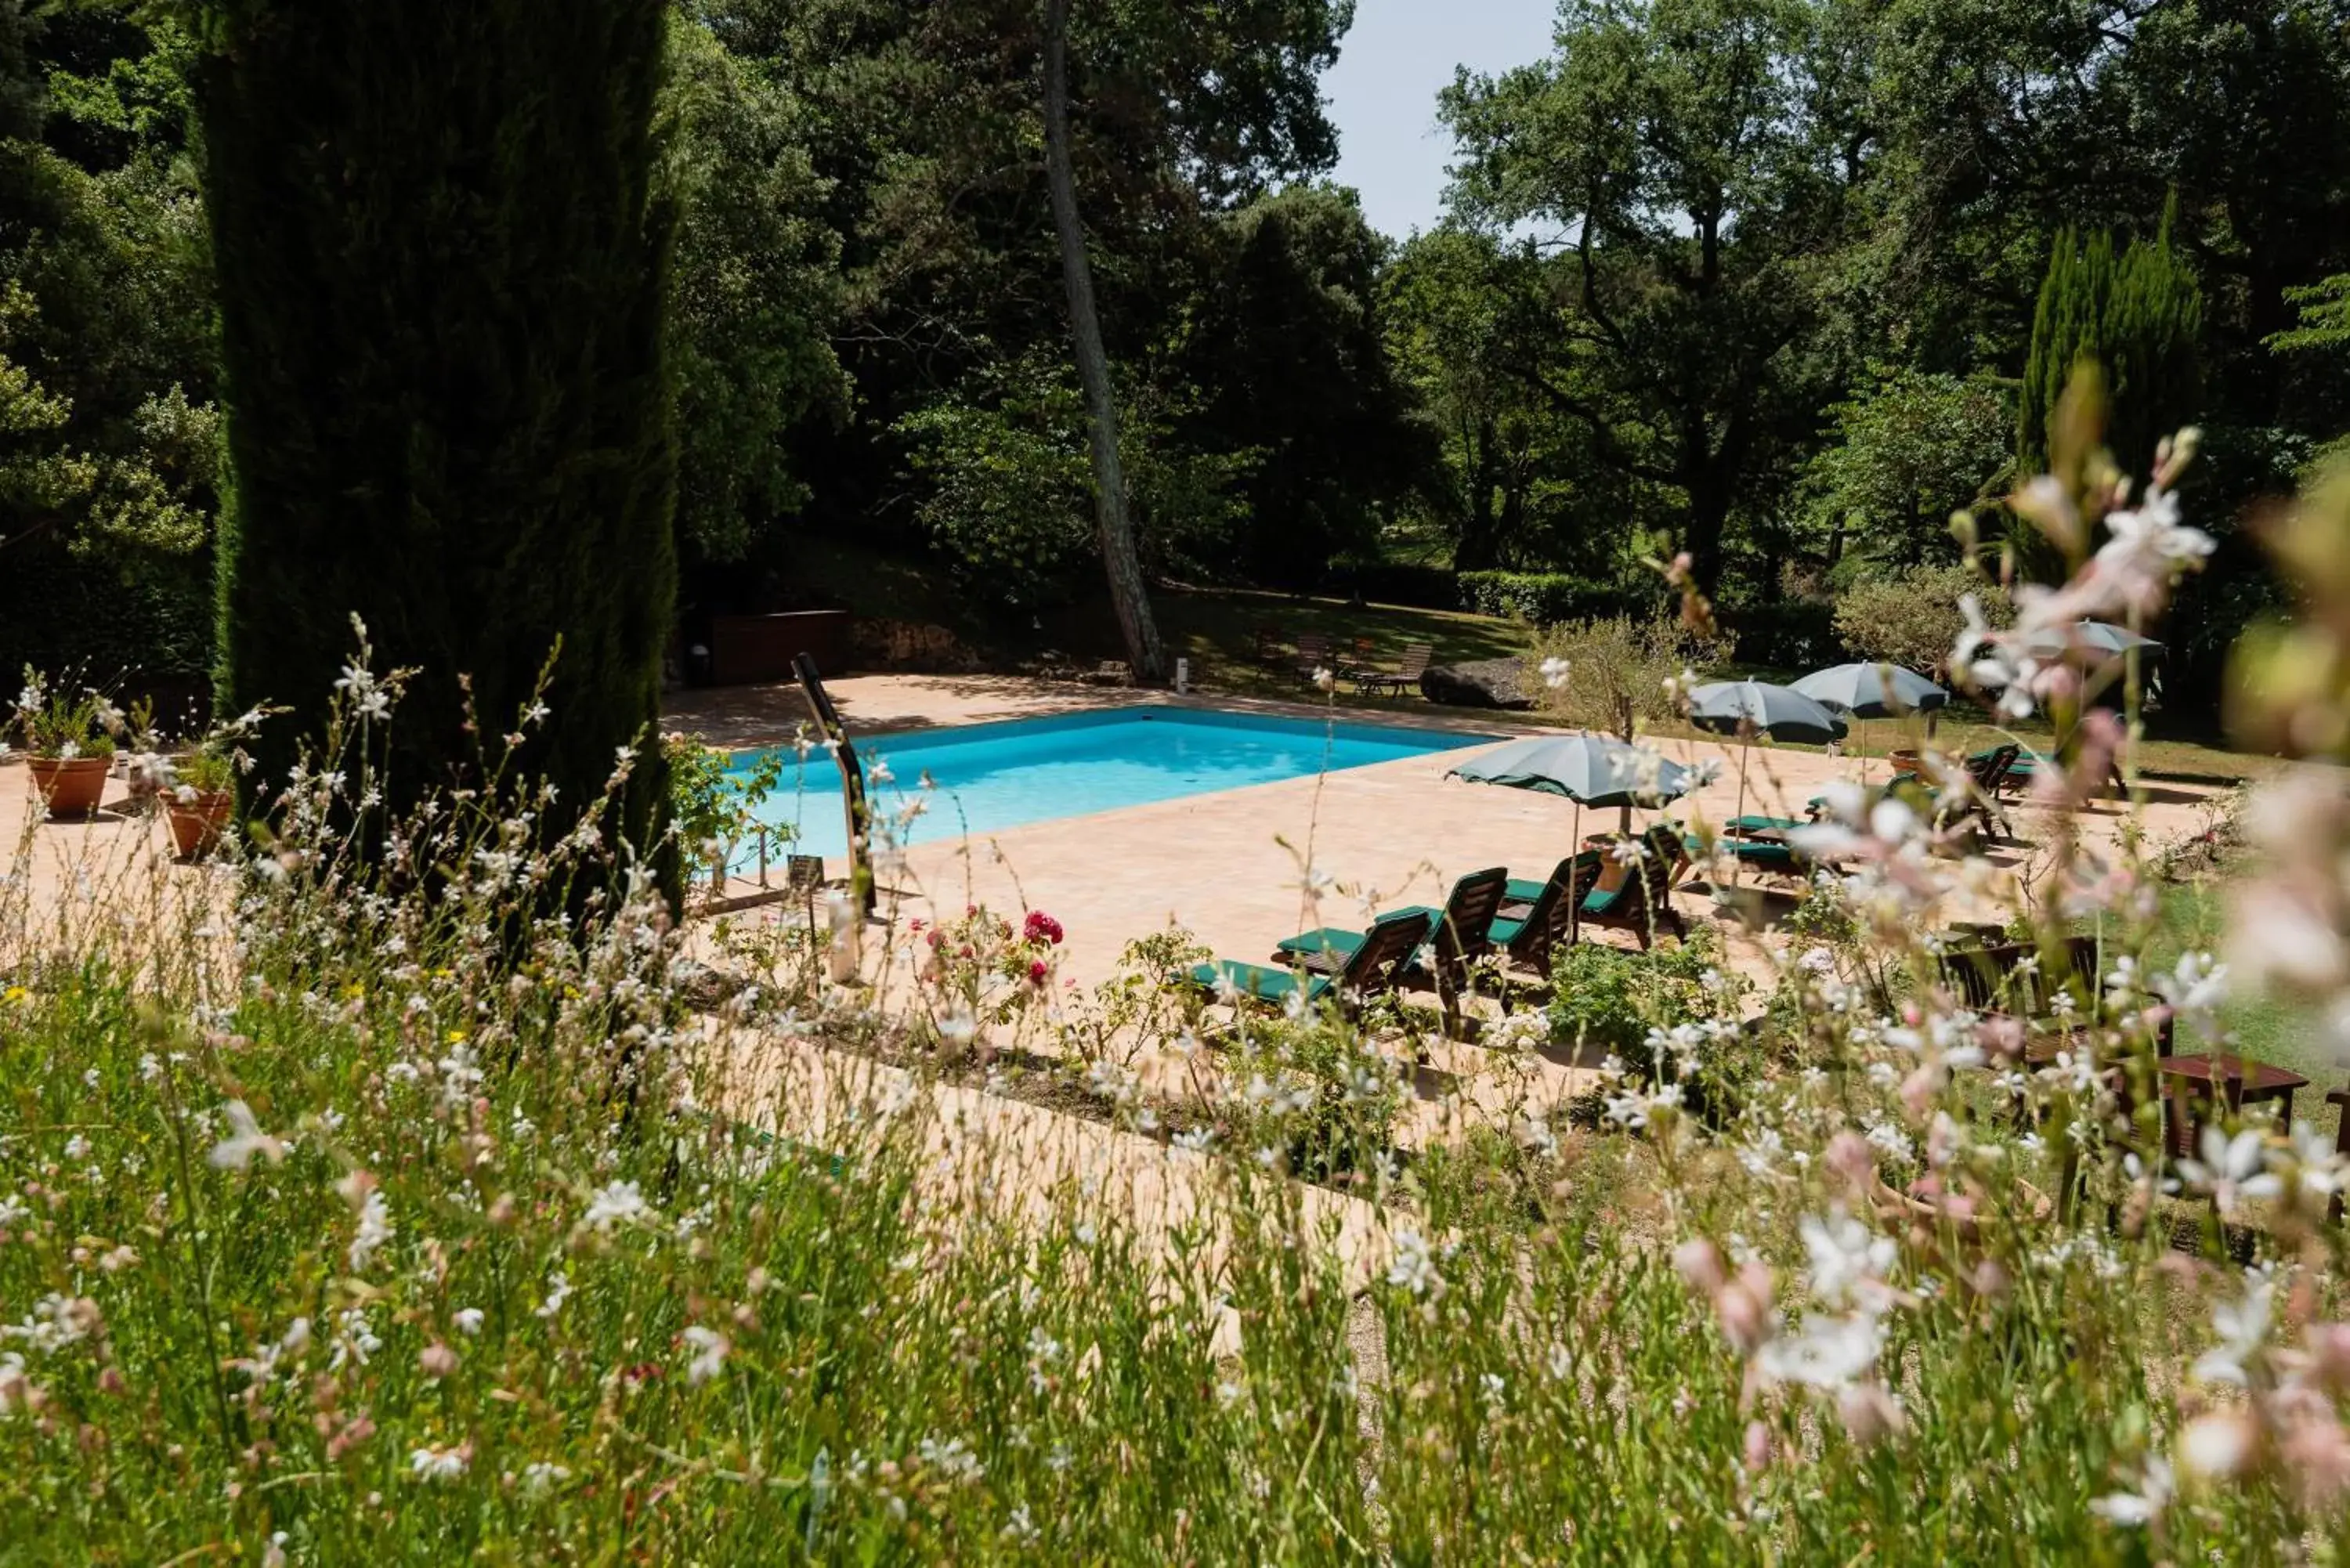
x: 1912, y: 620
x: 1614, y: 671
x: 1636, y: 1010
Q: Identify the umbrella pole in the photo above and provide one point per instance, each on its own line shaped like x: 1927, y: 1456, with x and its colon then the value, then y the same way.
x: 1738, y: 865
x: 1575, y: 899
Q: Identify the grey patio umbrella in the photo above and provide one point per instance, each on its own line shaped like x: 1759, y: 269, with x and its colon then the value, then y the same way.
x: 1589, y: 770
x: 1865, y: 691
x: 1872, y: 690
x: 1779, y: 711
x: 2088, y: 636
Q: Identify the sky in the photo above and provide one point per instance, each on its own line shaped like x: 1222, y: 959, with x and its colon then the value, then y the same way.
x: 1383, y: 90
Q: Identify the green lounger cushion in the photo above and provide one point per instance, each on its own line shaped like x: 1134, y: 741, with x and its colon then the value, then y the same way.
x: 1762, y: 825
x: 1332, y: 939
x: 1328, y: 939
x: 1596, y: 902
x: 1756, y: 854
x: 1259, y: 981
x: 1504, y: 932
x: 1521, y: 892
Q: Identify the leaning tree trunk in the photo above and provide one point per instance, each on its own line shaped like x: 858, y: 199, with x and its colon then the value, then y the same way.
x: 442, y: 258
x: 1128, y: 591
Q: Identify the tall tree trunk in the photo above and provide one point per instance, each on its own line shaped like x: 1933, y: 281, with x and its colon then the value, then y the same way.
x: 1708, y: 514
x: 1474, y: 550
x: 1123, y: 562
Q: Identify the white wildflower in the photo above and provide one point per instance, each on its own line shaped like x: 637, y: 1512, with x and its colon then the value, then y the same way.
x: 1413, y: 1267
x: 375, y: 1228
x: 438, y: 1464
x: 245, y: 1139
x: 709, y: 1348
x: 620, y: 1203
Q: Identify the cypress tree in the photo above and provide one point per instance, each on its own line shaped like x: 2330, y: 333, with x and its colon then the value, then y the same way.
x: 2137, y: 315
x: 2155, y: 322
x: 441, y: 254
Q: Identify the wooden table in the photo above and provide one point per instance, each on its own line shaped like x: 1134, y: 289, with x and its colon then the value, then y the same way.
x: 2231, y: 1079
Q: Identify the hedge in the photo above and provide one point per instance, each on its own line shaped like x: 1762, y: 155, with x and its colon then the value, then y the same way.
x: 1546, y: 599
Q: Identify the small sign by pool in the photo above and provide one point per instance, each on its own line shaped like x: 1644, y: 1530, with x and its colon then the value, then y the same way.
x: 991, y: 777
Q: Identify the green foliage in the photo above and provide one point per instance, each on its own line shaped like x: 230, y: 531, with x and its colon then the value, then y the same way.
x: 2139, y: 315
x: 54, y: 723
x: 1905, y: 454
x: 1465, y: 319
x: 1618, y: 666
x: 714, y: 809
x: 1008, y: 496
x: 755, y: 287
x: 2325, y: 313
x: 1539, y: 598
x: 441, y: 253
x: 1286, y: 347
x: 108, y: 441
x: 1692, y: 147
x: 207, y: 770
x: 1911, y: 618
x: 1632, y: 1006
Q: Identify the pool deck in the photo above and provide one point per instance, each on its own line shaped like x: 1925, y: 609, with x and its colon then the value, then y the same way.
x: 1232, y: 867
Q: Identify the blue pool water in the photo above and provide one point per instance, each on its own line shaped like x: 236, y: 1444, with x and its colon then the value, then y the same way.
x: 994, y: 776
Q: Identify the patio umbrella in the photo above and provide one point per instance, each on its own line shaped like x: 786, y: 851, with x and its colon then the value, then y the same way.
x: 1589, y: 770
x: 1868, y: 692
x: 2087, y: 637
x: 1729, y: 707
x: 1872, y: 690
x: 1779, y: 711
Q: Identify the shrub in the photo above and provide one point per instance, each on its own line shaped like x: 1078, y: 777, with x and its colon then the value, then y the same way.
x: 714, y: 810
x: 1540, y: 598
x: 1791, y: 634
x: 1637, y: 1008
x: 1913, y: 620
x: 1617, y: 668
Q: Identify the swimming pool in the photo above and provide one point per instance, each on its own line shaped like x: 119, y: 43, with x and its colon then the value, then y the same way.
x: 990, y: 777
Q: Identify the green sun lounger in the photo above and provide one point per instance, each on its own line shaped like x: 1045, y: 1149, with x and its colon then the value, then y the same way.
x: 1748, y: 825
x: 1465, y: 929
x: 1369, y: 969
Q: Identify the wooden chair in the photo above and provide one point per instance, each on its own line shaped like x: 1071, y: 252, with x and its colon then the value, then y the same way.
x: 1977, y: 798
x: 1529, y: 931
x: 1271, y: 645
x: 1643, y: 903
x: 1403, y: 677
x: 1312, y: 654
x: 2021, y: 980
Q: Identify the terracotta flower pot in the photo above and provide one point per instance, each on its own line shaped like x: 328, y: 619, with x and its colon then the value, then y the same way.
x: 69, y: 787
x: 196, y: 823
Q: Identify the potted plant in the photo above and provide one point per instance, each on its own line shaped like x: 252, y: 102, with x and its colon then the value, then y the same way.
x: 198, y: 803
x: 68, y: 752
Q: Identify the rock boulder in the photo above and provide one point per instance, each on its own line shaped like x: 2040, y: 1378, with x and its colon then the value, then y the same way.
x: 1480, y: 683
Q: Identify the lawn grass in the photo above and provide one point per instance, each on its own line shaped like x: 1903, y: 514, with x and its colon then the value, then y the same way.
x: 1217, y: 630
x: 2265, y: 1028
